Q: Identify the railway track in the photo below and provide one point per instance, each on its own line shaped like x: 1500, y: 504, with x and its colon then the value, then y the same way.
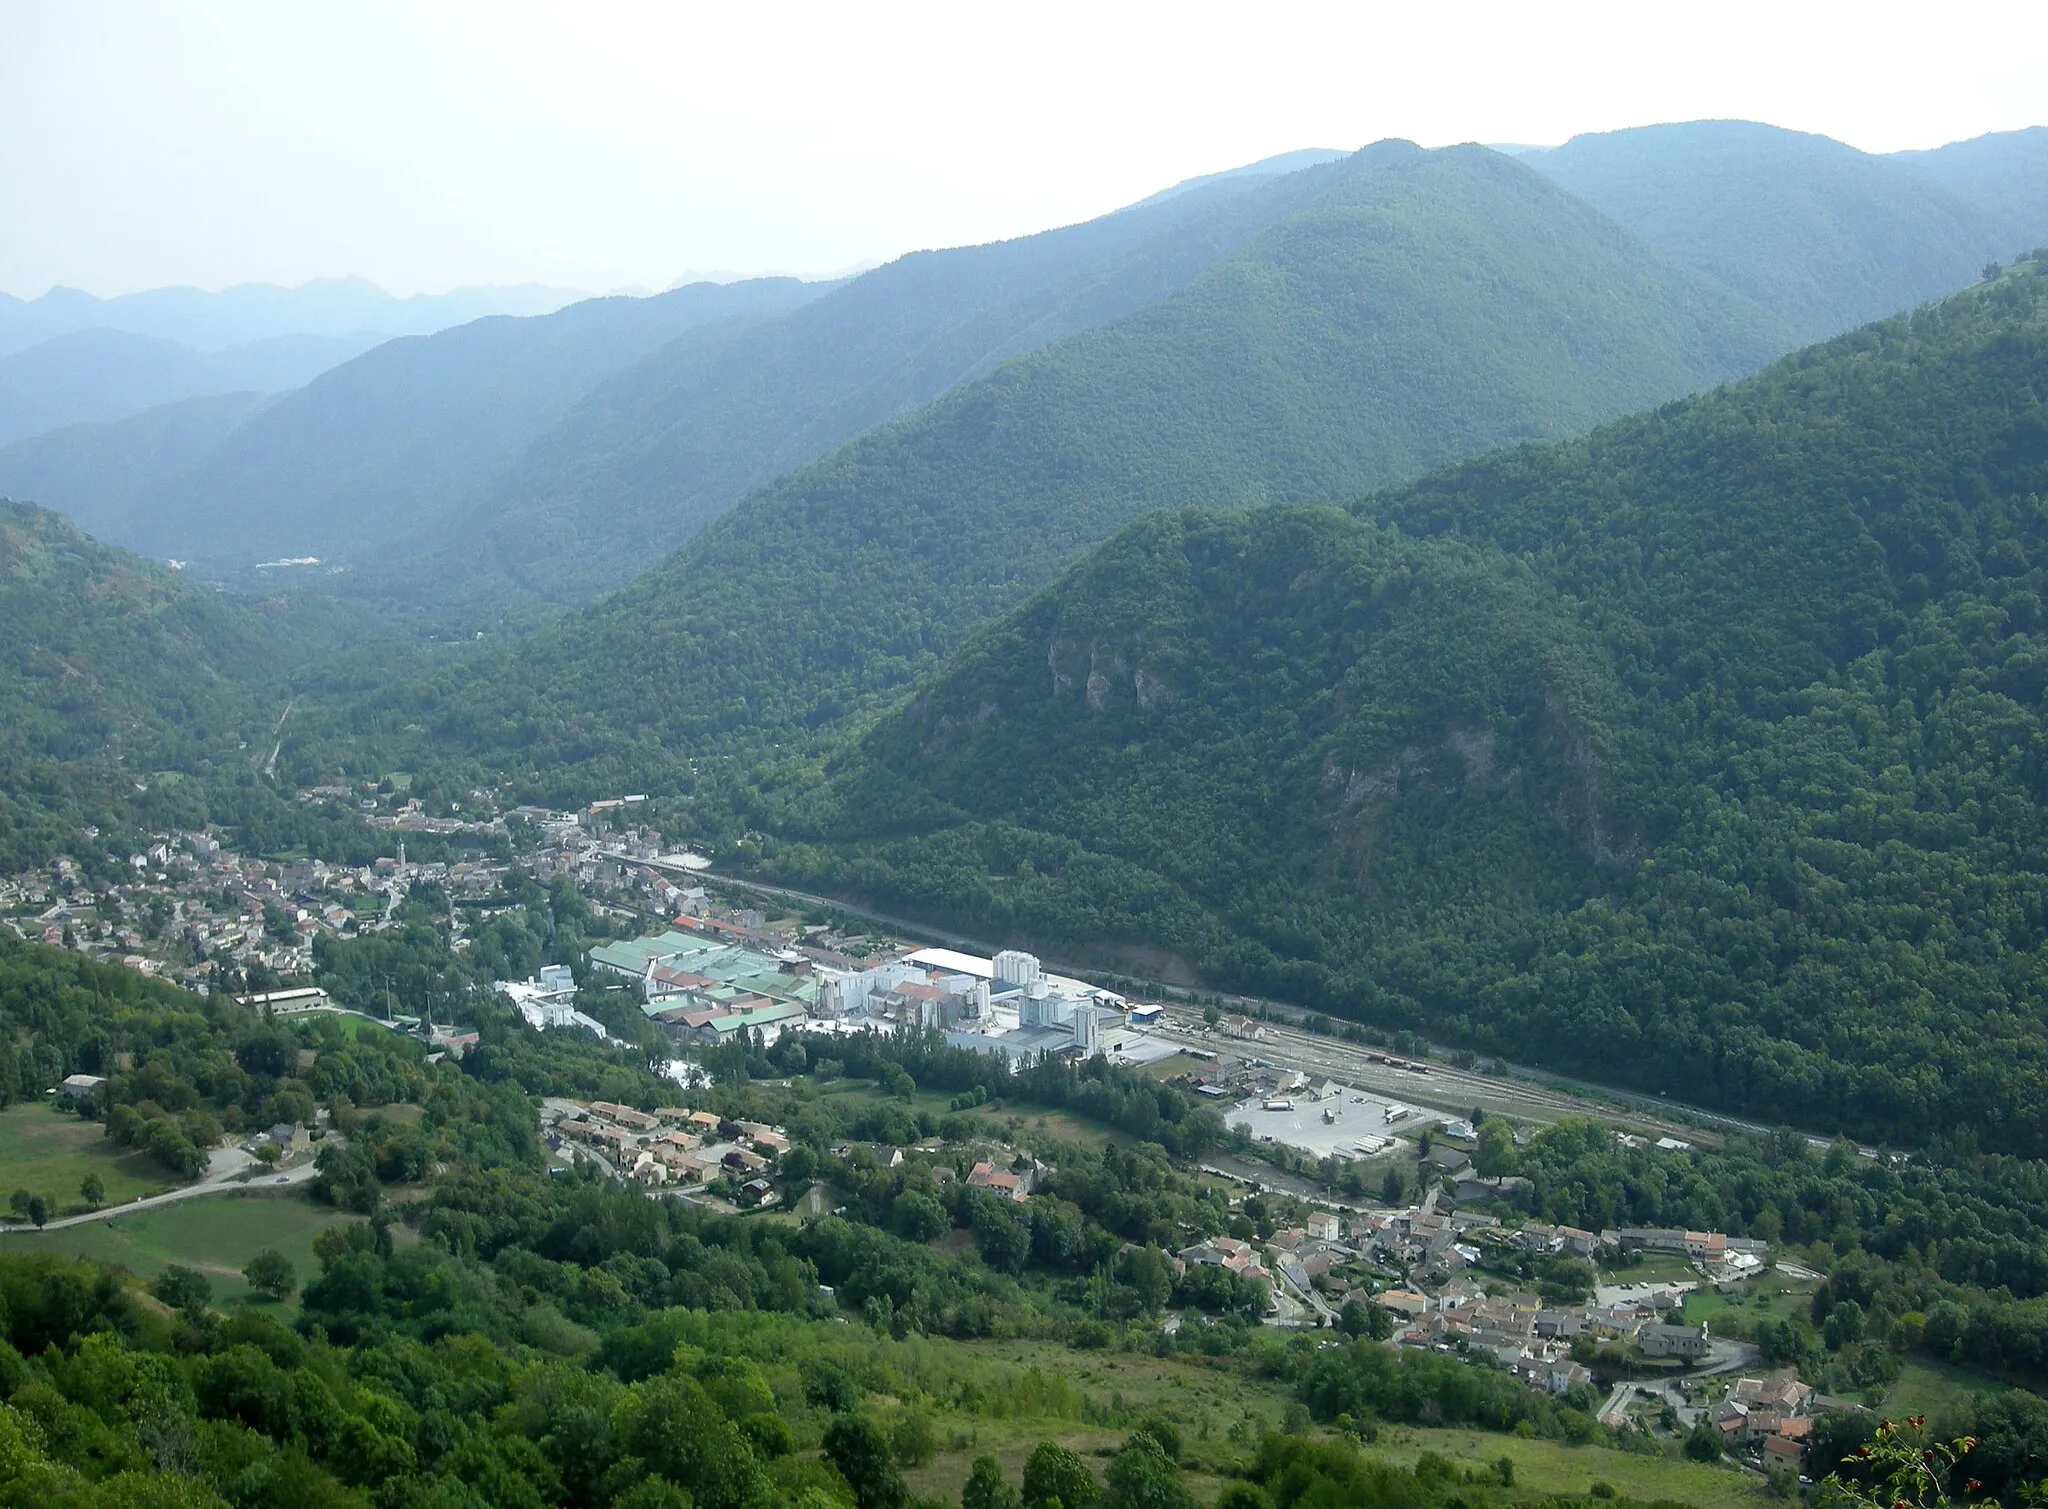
x: 1435, y: 1084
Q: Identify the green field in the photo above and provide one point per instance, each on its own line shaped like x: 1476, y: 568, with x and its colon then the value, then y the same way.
x: 1204, y: 1401
x: 1207, y: 1402
x: 1654, y: 1268
x: 1769, y: 1294
x: 1935, y: 1388
x: 1552, y: 1467
x: 49, y: 1152
x: 216, y: 1234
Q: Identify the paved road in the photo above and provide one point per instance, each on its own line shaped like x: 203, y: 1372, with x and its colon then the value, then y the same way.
x: 222, y: 1168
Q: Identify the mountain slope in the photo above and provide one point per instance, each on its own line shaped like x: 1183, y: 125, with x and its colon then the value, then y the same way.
x: 101, y: 474
x: 1427, y: 305
x: 344, y: 464
x: 656, y: 452
x: 2004, y: 173
x: 1706, y: 754
x: 1823, y: 235
x: 97, y: 375
x: 118, y: 679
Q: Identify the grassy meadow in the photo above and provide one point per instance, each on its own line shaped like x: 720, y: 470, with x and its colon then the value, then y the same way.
x: 49, y: 1152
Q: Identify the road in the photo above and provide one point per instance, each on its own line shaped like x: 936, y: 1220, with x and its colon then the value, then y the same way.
x: 270, y: 765
x: 223, y: 1165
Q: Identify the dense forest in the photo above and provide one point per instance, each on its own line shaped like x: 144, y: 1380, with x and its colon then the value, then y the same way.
x: 1703, y: 754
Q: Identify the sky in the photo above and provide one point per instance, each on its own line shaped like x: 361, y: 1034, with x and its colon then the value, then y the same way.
x: 601, y: 146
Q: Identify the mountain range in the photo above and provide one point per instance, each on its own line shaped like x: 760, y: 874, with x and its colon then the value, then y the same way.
x: 1421, y: 306
x: 344, y: 464
x: 100, y: 374
x: 593, y: 476
x: 213, y: 321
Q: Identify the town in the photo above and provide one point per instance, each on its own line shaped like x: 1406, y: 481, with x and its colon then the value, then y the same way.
x: 1448, y: 1266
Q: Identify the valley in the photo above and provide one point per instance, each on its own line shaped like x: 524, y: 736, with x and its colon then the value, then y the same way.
x: 1372, y: 829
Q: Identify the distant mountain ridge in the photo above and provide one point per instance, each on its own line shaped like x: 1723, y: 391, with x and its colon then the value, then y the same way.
x: 98, y: 374
x: 343, y: 307
x: 1823, y: 235
x: 347, y: 464
x: 564, y: 485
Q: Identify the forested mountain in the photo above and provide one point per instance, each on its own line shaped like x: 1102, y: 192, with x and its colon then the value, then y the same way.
x: 97, y: 375
x: 1708, y: 753
x: 1823, y: 235
x: 1426, y: 305
x: 116, y: 674
x: 339, y: 467
x: 348, y: 307
x: 655, y: 453
x: 2005, y: 172
x: 105, y: 472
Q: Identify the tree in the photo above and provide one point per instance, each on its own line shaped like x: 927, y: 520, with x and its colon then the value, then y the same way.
x: 1359, y: 1318
x: 1704, y: 1442
x: 912, y: 1439
x: 182, y: 1288
x: 1212, y: 1014
x: 18, y: 1202
x: 986, y: 1488
x: 38, y: 1209
x: 826, y: 1386
x: 1055, y: 1475
x: 1496, y: 1156
x: 270, y: 1273
x: 920, y: 1218
x: 856, y: 1448
x: 1393, y: 1188
x: 1163, y: 1433
x: 94, y: 1190
x: 1141, y: 1477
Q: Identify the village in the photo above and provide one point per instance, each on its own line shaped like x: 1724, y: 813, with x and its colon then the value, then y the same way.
x: 1451, y: 1269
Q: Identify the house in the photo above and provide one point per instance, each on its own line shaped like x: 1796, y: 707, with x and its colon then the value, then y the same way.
x: 1324, y: 1226
x: 1224, y: 1252
x: 1660, y: 1340
x: 1781, y: 1394
x: 286, y: 1137
x: 81, y: 1086
x: 755, y: 1192
x: 1784, y: 1451
x: 1448, y: 1160
x: 1706, y: 1246
x: 1011, y: 1184
x: 1404, y: 1302
x: 1582, y: 1244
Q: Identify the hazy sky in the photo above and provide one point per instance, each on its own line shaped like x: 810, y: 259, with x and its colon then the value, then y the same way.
x: 604, y: 145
